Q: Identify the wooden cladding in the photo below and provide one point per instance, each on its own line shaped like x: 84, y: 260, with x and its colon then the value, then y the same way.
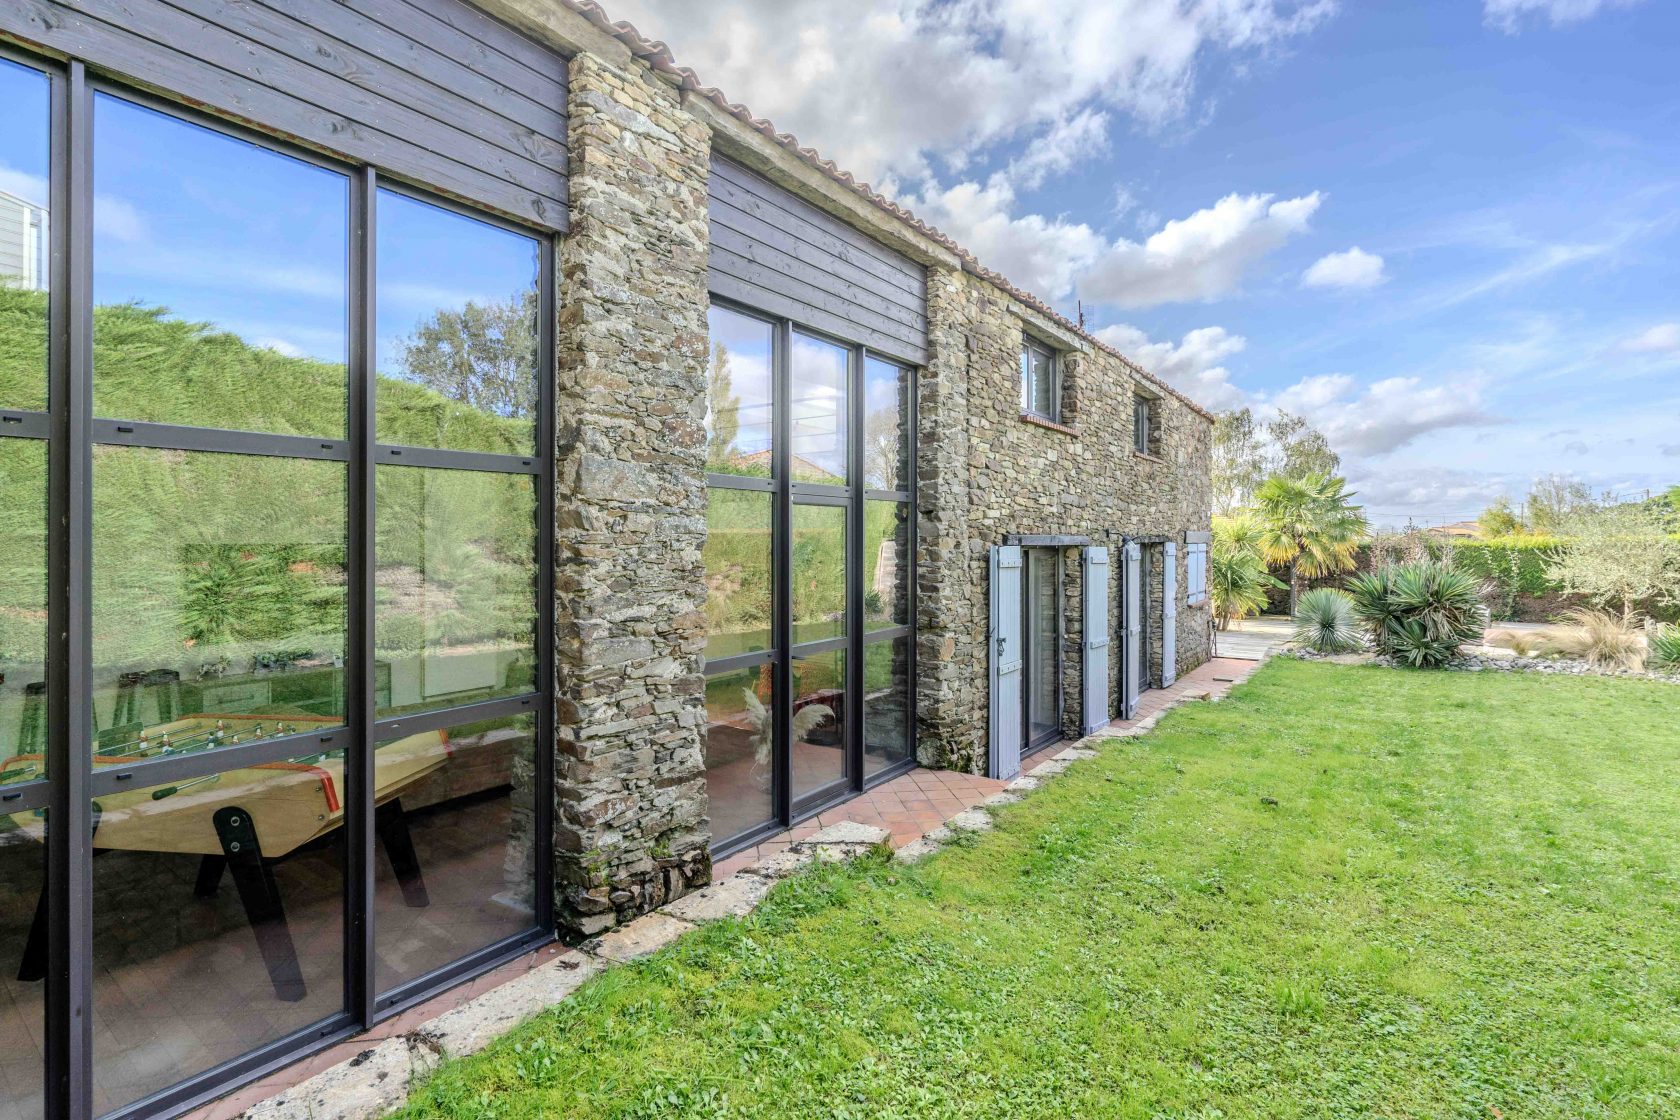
x: 434, y: 91
x: 776, y: 252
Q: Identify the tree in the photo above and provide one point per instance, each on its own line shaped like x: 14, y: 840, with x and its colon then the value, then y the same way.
x: 1238, y: 460
x: 484, y: 355
x: 1498, y: 519
x: 723, y: 408
x: 1617, y: 555
x: 1237, y: 575
x: 1553, y: 499
x: 1309, y: 526
x: 1297, y: 450
x: 1246, y: 453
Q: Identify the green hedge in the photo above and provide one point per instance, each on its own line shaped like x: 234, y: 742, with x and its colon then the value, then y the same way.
x: 1516, y: 564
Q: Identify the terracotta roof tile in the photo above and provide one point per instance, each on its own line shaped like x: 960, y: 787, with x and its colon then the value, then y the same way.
x: 658, y: 57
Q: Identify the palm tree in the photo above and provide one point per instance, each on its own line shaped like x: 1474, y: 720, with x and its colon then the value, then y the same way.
x: 1310, y: 526
x: 1237, y: 575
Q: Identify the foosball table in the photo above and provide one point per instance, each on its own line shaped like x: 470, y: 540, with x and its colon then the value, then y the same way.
x: 240, y: 822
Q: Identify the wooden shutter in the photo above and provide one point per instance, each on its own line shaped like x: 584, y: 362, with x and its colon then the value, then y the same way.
x: 1131, y: 623
x: 1096, y: 639
x: 1007, y: 664
x: 1169, y: 614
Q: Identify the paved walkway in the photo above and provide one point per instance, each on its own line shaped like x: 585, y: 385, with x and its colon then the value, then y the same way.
x: 909, y: 806
x: 1253, y: 639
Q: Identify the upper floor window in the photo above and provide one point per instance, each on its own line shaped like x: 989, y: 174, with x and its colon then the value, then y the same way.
x: 1041, y: 388
x: 1144, y: 422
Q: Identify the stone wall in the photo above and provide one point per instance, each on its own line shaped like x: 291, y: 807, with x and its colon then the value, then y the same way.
x: 985, y: 473
x: 631, y: 830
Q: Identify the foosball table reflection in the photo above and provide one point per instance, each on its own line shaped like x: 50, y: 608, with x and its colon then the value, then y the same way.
x: 243, y: 820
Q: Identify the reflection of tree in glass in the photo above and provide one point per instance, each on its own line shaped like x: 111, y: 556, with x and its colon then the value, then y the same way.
x: 233, y: 594
x: 723, y: 409
x: 484, y: 354
x: 881, y: 450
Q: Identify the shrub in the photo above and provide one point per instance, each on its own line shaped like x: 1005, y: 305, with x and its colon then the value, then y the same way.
x: 1325, y: 623
x: 1523, y: 643
x: 1419, y: 613
x: 1664, y: 650
x: 1610, y: 641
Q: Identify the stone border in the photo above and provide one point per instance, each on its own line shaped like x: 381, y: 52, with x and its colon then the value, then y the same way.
x: 379, y: 1079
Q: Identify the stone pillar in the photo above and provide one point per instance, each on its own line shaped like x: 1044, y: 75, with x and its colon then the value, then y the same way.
x: 950, y: 662
x: 631, y: 831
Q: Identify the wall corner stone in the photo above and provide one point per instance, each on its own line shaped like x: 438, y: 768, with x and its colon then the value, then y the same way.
x: 631, y: 831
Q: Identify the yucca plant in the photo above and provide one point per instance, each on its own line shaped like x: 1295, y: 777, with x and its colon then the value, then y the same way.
x: 1325, y: 622
x: 1237, y: 575
x: 1664, y: 651
x: 1419, y: 613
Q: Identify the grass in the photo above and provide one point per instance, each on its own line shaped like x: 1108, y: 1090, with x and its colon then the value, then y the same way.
x: 1462, y: 904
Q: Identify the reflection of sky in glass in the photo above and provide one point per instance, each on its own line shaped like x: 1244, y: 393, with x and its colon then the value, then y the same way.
x: 24, y: 156
x: 747, y: 343
x: 818, y: 409
x: 431, y: 258
x: 219, y: 230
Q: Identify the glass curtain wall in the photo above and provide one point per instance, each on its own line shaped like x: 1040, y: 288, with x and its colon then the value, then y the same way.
x: 294, y: 434
x: 808, y: 570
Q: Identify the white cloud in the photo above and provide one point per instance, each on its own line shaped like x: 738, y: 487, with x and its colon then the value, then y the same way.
x: 1660, y: 339
x: 1510, y: 15
x: 1201, y: 257
x: 883, y: 86
x: 1192, y: 365
x: 1080, y: 136
x: 1354, y: 268
x: 21, y: 184
x: 1392, y: 495
x: 1043, y: 255
x: 1385, y: 415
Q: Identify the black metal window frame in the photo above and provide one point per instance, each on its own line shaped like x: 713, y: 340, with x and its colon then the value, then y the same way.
x: 786, y: 810
x: 71, y: 431
x: 1030, y: 345
x: 1030, y: 745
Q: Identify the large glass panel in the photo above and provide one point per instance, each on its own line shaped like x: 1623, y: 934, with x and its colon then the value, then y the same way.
x: 738, y: 582
x: 23, y: 610
x: 1038, y: 378
x: 219, y: 278
x: 218, y: 592
x: 456, y: 825
x: 886, y: 565
x: 817, y: 410
x: 218, y: 919
x: 739, y: 738
x: 457, y: 330
x: 738, y: 394
x: 886, y: 704
x: 22, y: 963
x: 819, y: 721
x: 886, y: 441
x: 25, y: 158
x: 455, y: 610
x: 819, y: 572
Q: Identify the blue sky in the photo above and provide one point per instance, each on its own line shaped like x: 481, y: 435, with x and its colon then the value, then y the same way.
x: 1200, y: 176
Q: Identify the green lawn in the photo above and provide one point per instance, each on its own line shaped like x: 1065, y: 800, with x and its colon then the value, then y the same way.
x: 1463, y: 903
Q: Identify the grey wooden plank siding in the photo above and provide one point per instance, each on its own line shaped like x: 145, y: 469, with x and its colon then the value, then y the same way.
x: 434, y: 92
x: 774, y: 251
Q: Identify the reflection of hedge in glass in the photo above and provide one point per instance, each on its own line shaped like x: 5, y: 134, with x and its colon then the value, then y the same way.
x: 737, y: 558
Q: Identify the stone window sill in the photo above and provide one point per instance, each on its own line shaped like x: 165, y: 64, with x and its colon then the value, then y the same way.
x: 1045, y: 422
x: 1147, y: 455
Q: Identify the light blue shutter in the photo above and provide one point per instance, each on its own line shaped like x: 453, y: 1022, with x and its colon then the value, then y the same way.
x: 1004, y: 749
x: 1169, y: 615
x: 1131, y: 622
x: 1096, y: 639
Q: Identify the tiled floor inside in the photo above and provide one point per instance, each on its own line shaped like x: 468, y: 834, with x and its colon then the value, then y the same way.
x: 908, y: 806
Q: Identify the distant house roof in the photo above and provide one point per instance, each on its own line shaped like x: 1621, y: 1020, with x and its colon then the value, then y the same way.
x: 658, y: 56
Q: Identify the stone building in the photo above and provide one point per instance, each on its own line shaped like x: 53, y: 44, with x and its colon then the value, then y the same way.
x: 533, y: 478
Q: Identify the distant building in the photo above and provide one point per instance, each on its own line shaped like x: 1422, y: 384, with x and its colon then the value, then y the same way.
x: 23, y: 242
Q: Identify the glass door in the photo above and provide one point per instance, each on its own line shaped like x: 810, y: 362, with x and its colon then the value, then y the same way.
x: 1042, y: 602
